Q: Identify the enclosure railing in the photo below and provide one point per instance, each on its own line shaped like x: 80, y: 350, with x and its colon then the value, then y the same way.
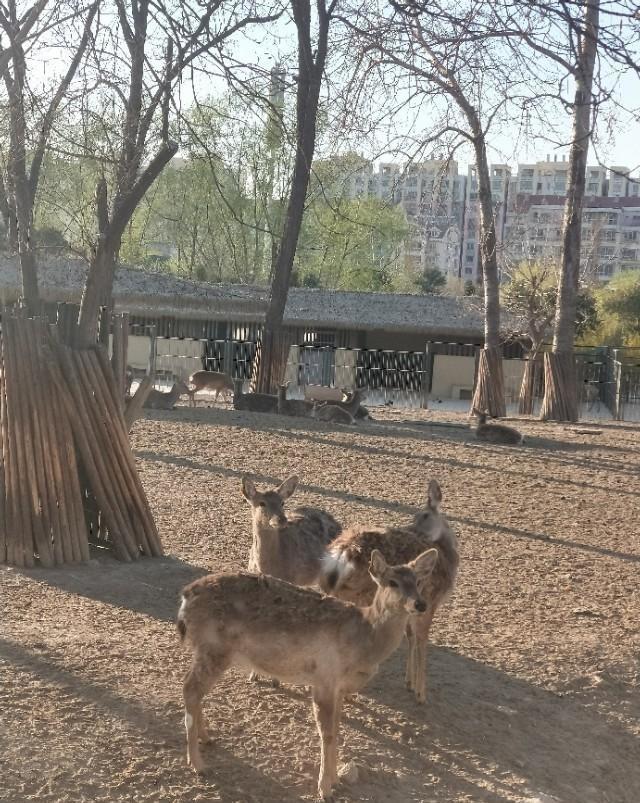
x: 609, y: 379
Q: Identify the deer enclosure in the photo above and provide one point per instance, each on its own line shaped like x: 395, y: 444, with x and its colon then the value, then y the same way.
x: 532, y: 671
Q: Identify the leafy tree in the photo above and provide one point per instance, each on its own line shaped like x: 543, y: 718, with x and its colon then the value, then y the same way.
x: 431, y: 281
x: 351, y: 244
x: 618, y: 305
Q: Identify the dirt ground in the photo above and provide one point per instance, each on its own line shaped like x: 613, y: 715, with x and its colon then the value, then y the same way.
x: 533, y: 675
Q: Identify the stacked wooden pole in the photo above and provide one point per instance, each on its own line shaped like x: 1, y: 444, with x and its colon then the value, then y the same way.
x: 60, y: 420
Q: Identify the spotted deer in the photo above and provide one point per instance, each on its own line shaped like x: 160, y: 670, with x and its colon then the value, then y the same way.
x: 345, y: 574
x: 496, y: 433
x: 298, y: 636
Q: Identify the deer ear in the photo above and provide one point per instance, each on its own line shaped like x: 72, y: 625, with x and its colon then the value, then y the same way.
x: 248, y: 489
x: 288, y: 487
x: 423, y: 565
x: 434, y: 495
x: 377, y: 565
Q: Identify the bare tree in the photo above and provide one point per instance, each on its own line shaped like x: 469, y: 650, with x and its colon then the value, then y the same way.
x: 144, y: 91
x: 447, y: 53
x: 29, y: 132
x: 312, y: 57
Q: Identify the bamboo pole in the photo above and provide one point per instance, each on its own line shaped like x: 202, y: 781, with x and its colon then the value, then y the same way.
x: 126, y: 459
x: 106, y: 432
x: 72, y: 398
x: 13, y: 513
x: 41, y: 444
x: 28, y: 485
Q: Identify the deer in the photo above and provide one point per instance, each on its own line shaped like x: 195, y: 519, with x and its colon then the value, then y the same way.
x: 254, y: 402
x: 209, y: 380
x: 345, y: 575
x: 165, y: 400
x: 496, y: 433
x: 292, y: 546
x: 288, y: 547
x: 299, y: 636
x: 332, y: 413
x: 296, y: 407
x: 344, y: 412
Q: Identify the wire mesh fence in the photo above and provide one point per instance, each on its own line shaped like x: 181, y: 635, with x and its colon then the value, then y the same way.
x: 444, y: 373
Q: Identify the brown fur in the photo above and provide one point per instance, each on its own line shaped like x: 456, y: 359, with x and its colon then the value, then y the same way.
x: 255, y: 402
x: 289, y: 546
x: 497, y: 433
x: 165, y: 400
x: 345, y: 571
x: 296, y: 635
x: 295, y: 407
x: 209, y: 380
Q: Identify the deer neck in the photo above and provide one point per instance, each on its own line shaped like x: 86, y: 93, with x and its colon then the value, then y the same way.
x: 266, y: 546
x: 387, y: 628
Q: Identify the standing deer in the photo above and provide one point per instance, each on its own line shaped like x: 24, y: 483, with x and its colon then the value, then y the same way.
x: 209, y: 380
x: 165, y: 400
x: 292, y: 546
x: 345, y: 573
x: 299, y: 636
x: 496, y: 433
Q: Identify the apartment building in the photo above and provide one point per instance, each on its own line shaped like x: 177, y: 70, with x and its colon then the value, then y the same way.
x: 432, y: 195
x: 443, y: 209
x: 470, y: 265
x: 610, y: 232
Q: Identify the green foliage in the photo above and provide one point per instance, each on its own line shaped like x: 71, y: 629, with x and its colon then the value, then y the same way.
x: 618, y: 306
x: 351, y: 244
x: 431, y: 281
x: 469, y: 288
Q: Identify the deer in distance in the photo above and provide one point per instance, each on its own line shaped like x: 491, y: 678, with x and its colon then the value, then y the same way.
x: 299, y: 636
x: 209, y: 380
x: 496, y: 433
x: 345, y: 572
x: 165, y: 400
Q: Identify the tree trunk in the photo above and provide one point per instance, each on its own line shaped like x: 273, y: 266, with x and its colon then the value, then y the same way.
x: 489, y: 391
x: 561, y: 397
x: 97, y: 292
x: 528, y: 386
x: 310, y: 72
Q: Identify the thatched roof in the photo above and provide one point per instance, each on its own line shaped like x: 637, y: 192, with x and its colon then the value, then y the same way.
x: 161, y: 294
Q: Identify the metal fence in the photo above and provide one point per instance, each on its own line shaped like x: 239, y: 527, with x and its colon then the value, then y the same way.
x: 609, y: 379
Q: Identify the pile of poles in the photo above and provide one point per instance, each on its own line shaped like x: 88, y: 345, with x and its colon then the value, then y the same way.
x: 67, y: 473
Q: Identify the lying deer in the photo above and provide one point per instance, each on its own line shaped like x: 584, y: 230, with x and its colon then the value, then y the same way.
x: 496, y: 433
x: 345, y: 573
x: 298, y: 636
x: 255, y: 402
x: 209, y: 380
x: 296, y: 407
x: 332, y: 413
x: 165, y: 400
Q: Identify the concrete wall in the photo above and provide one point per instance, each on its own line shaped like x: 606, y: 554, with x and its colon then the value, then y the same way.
x: 451, y: 373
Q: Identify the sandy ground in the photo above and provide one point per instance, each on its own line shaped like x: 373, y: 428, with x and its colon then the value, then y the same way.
x: 534, y: 671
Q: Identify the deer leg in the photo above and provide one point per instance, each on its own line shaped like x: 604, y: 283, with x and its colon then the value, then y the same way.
x: 326, y: 712
x: 410, y: 677
x: 422, y: 638
x: 202, y: 675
